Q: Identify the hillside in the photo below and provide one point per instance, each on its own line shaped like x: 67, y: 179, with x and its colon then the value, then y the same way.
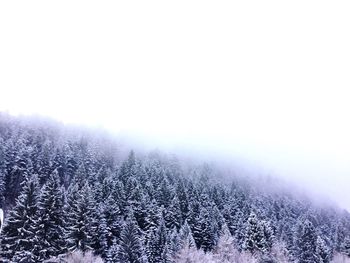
x: 65, y: 189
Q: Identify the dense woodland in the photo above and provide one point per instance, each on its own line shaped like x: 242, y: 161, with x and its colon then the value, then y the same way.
x: 65, y: 190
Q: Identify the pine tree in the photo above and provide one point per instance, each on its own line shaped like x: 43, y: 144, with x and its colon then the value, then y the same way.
x: 163, y: 193
x: 254, y: 237
x: 154, y: 214
x: 268, y: 235
x: 173, y: 242
x: 322, y: 251
x: 112, y: 253
x: 206, y: 237
x: 193, y: 220
x: 43, y: 161
x: 172, y: 214
x: 345, y: 246
x: 306, y: 242
x: 226, y: 249
x: 127, y: 169
x: 71, y: 165
x: 157, y: 244
x: 109, y: 226
x: 130, y: 247
x: 82, y: 220
x: 183, y: 199
x: 103, y: 233
x: 17, y: 235
x: 48, y: 223
x: 80, y: 176
x: 186, y: 236
x: 18, y: 171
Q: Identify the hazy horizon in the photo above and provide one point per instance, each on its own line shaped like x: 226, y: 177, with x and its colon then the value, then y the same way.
x: 265, y: 82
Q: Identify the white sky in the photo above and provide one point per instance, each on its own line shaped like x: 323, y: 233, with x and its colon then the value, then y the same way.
x: 268, y: 80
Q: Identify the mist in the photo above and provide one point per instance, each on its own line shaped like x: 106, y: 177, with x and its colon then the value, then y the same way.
x: 262, y: 85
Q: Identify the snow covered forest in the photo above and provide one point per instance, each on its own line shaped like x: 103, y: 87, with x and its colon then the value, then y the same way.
x: 70, y: 195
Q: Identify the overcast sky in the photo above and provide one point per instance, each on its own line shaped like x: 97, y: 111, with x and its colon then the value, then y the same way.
x: 267, y: 80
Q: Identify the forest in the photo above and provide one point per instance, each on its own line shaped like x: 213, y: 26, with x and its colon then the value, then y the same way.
x: 71, y: 194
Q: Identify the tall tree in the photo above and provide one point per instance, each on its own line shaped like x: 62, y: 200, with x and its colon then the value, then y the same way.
x: 49, y: 220
x: 172, y: 214
x: 81, y: 219
x: 254, y: 238
x: 226, y: 248
x: 322, y: 251
x: 306, y: 242
x: 17, y: 236
x: 345, y: 246
x: 157, y: 244
x: 130, y: 248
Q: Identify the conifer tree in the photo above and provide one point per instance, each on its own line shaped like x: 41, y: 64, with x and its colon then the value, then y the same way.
x: 186, y: 237
x: 17, y: 235
x: 81, y: 223
x: 157, y: 244
x: 306, y: 242
x: 18, y: 172
x: 254, y: 238
x: 206, y: 238
x: 112, y: 253
x: 109, y: 226
x: 154, y: 214
x: 183, y: 199
x: 173, y: 242
x: 48, y: 223
x: 226, y: 248
x: 322, y: 251
x: 130, y: 247
x: 345, y: 246
x: 127, y: 169
x: 172, y: 214
x: 268, y: 235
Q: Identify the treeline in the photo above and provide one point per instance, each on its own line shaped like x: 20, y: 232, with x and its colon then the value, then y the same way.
x: 65, y: 191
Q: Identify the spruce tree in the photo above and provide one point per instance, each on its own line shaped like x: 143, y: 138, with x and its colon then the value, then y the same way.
x: 186, y: 236
x: 322, y: 251
x: 345, y: 246
x: 18, y: 172
x: 49, y: 220
x: 81, y: 221
x: 306, y: 242
x: 17, y: 236
x: 226, y: 249
x: 173, y: 242
x: 112, y: 253
x: 127, y: 169
x: 268, y: 236
x: 254, y: 237
x: 154, y: 214
x: 130, y: 247
x: 172, y: 215
x: 206, y: 238
x: 157, y: 244
x: 109, y: 226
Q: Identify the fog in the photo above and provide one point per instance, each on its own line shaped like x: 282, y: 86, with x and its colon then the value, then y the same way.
x: 265, y: 83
